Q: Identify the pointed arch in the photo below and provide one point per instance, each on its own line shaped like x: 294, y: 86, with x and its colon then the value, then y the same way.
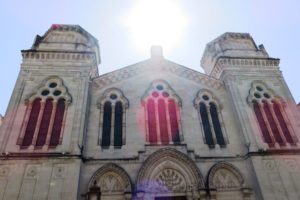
x: 44, y: 121
x: 271, y: 117
x: 162, y: 108
x: 211, y: 121
x: 224, y: 179
x: 113, y: 105
x: 167, y: 165
x: 113, y: 180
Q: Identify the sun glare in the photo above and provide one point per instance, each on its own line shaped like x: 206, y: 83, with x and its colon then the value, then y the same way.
x: 156, y: 22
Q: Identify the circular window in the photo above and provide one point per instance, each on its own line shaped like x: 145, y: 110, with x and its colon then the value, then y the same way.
x: 258, y: 88
x: 52, y: 85
x: 56, y: 92
x: 165, y: 94
x: 267, y: 95
x: 257, y: 95
x: 45, y: 92
x: 205, y: 97
x: 155, y: 94
x: 113, y: 96
x: 159, y: 87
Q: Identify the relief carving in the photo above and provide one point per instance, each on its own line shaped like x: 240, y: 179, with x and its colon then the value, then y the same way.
x: 110, y: 183
x: 171, y: 180
x: 4, y: 171
x: 225, y: 180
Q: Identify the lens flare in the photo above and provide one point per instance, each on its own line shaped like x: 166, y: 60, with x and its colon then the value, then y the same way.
x: 156, y: 22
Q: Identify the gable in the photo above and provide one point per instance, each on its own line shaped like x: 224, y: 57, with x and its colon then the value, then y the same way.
x: 163, y: 67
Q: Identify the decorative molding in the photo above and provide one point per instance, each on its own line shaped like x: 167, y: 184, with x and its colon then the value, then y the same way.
x: 134, y: 70
x: 54, y: 56
x: 150, y: 174
x: 166, y: 88
x: 45, y: 86
x: 224, y: 176
x: 106, y: 97
x: 112, y: 178
x: 238, y: 63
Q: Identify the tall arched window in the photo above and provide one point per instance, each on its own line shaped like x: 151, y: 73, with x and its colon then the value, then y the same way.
x: 44, y: 119
x: 270, y: 115
x: 210, y: 119
x: 113, y: 105
x: 162, y: 114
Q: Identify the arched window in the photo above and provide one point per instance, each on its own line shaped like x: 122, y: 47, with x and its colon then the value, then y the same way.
x: 113, y: 105
x: 210, y: 119
x: 162, y: 114
x: 45, y: 114
x: 270, y: 116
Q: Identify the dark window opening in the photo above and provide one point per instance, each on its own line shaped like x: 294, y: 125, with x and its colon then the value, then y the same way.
x: 42, y: 135
x: 262, y: 124
x: 106, y: 129
x: 216, y: 124
x: 57, y: 125
x: 206, y: 125
x: 118, y: 125
x: 31, y: 125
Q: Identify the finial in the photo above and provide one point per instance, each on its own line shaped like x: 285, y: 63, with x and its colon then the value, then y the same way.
x: 156, y: 52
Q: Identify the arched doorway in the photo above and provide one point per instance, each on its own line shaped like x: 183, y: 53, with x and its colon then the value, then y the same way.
x: 225, y: 182
x: 169, y: 174
x: 113, y: 182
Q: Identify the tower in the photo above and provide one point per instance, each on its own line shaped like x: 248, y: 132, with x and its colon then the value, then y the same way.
x: 45, y: 122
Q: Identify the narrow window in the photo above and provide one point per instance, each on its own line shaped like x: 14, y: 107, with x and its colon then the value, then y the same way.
x: 57, y: 124
x: 42, y: 135
x: 206, y: 125
x: 106, y: 124
x: 216, y: 124
x: 31, y: 125
x: 282, y: 123
x: 118, y: 124
x: 174, y: 122
x: 163, y: 125
x: 151, y: 121
x: 262, y: 124
x: 272, y: 123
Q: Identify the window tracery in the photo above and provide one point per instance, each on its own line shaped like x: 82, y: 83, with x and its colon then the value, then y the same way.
x: 162, y: 108
x: 45, y: 115
x: 112, y: 105
x: 210, y: 117
x: 270, y: 115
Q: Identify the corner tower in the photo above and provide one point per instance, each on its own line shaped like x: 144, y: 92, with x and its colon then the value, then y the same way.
x: 264, y: 108
x: 51, y: 92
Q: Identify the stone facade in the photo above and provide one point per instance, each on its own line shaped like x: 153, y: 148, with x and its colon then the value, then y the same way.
x: 226, y: 146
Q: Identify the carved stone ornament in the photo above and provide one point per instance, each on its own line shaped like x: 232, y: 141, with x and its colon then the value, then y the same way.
x: 168, y: 170
x: 224, y: 176
x: 31, y: 172
x: 112, y: 179
x: 4, y: 171
x: 171, y: 180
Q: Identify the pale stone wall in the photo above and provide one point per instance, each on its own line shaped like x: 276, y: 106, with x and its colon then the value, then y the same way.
x: 245, y: 169
x: 39, y: 179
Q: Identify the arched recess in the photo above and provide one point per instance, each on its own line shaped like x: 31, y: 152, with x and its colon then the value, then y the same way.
x: 225, y: 182
x: 168, y: 172
x: 113, y: 181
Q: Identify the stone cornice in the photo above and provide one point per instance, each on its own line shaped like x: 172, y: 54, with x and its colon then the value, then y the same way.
x: 54, y: 55
x: 139, y: 68
x: 240, y: 63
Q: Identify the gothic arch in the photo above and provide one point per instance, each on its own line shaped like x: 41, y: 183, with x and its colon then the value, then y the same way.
x: 226, y: 180
x: 113, y: 180
x: 169, y: 172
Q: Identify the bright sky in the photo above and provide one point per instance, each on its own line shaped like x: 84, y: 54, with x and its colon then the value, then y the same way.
x: 183, y: 28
